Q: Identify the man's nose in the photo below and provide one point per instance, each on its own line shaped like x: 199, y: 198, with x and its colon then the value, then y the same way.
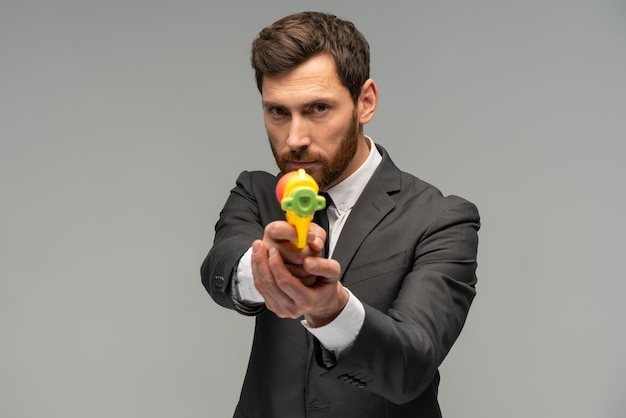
x: 298, y: 134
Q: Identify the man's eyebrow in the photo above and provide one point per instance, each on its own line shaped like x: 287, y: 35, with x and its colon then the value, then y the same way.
x: 306, y: 105
x: 267, y: 103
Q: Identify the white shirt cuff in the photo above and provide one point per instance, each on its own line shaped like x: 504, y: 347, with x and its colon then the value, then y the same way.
x: 243, y: 288
x: 340, y: 334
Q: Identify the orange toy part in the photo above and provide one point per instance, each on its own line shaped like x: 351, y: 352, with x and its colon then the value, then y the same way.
x: 280, y: 187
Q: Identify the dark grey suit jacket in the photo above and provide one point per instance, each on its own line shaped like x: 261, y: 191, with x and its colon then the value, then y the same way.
x: 407, y: 252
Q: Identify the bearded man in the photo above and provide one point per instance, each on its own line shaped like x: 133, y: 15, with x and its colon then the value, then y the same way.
x: 356, y: 323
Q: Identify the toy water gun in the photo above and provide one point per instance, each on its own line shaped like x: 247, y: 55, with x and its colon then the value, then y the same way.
x: 297, y: 193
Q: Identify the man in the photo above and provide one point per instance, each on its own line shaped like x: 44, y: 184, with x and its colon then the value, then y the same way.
x: 362, y: 332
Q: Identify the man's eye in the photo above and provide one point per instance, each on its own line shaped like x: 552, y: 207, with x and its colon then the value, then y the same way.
x: 319, y: 108
x: 277, y: 111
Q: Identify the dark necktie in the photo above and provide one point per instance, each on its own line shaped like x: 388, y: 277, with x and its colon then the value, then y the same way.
x: 321, y: 218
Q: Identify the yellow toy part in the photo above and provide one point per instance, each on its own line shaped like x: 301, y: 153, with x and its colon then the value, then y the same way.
x: 297, y: 192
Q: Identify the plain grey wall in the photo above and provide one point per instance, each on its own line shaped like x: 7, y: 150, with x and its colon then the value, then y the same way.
x: 123, y: 125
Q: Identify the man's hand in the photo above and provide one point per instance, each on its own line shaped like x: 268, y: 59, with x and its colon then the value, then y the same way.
x: 297, y: 282
x: 281, y: 235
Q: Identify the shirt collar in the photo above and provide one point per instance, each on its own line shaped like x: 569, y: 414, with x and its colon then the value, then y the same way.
x: 346, y: 193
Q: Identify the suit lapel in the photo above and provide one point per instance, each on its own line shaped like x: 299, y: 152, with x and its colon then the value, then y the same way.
x: 373, y: 205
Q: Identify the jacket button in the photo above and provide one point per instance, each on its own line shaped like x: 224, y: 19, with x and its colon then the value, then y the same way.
x: 219, y: 282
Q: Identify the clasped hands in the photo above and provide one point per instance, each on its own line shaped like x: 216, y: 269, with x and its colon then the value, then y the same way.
x: 295, y: 282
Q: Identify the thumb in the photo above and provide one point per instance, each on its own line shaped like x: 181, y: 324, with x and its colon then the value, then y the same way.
x: 323, y: 267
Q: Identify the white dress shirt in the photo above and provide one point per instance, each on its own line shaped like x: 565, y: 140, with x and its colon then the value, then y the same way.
x: 339, y: 335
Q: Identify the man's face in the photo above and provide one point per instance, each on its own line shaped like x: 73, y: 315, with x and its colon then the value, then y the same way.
x: 312, y: 122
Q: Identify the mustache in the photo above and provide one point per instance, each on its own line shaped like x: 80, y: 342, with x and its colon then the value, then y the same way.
x: 299, y: 156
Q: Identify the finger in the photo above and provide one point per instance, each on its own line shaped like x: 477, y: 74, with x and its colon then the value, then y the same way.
x: 260, y: 267
x: 263, y: 279
x: 294, y: 289
x: 316, y: 237
x: 282, y: 291
x: 326, y: 268
x: 292, y: 255
x: 281, y: 235
x: 280, y: 231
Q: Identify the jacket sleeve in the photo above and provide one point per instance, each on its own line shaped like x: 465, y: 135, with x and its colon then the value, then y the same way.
x: 397, y: 353
x: 239, y: 224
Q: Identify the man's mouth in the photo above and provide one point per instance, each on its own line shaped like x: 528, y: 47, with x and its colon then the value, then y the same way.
x: 301, y: 164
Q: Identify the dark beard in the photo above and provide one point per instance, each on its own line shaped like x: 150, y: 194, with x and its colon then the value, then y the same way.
x: 331, y: 169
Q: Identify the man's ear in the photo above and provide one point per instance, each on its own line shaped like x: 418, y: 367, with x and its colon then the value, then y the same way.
x: 368, y: 100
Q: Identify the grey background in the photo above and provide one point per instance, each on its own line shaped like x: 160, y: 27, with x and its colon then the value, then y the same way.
x: 123, y: 125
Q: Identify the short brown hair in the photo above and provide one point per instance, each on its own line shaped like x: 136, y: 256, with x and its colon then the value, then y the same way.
x: 293, y: 39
